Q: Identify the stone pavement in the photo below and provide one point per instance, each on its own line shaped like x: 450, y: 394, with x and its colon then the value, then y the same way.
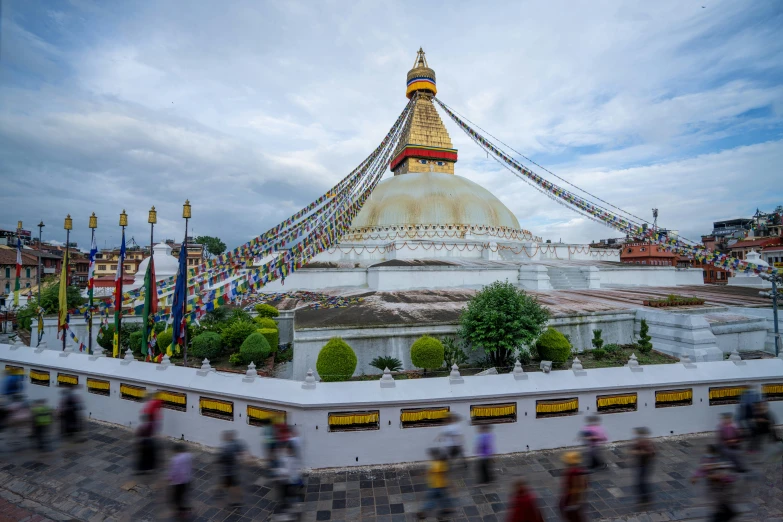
x: 93, y: 481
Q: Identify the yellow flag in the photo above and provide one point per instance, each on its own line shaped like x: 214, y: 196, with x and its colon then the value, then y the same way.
x: 116, y: 351
x: 169, y: 352
x: 63, y: 296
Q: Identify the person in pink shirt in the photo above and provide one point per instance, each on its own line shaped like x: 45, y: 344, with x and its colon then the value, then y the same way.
x: 595, y: 437
x: 180, y: 475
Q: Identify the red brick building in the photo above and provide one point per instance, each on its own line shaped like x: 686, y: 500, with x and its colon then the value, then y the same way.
x: 647, y: 254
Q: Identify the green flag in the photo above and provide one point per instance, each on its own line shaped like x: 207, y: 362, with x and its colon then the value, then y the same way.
x: 150, y: 306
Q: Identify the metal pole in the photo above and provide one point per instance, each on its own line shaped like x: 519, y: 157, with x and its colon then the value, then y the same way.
x: 66, y: 268
x: 184, y: 250
x: 40, y: 251
x: 775, y: 315
x: 119, y: 299
x: 154, y: 296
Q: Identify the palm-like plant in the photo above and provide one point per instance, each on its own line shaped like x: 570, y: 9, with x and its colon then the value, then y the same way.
x: 386, y: 361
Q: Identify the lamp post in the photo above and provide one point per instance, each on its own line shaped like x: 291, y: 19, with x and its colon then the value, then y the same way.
x: 18, y: 273
x: 186, y: 213
x: 152, y: 219
x: 93, y: 225
x: 118, y: 297
x: 40, y: 251
x: 67, y: 226
x: 774, y: 279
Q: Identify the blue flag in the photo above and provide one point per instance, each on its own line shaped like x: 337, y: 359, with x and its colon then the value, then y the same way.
x: 180, y: 300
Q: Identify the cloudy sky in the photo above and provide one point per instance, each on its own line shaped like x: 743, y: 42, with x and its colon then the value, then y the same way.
x: 252, y: 109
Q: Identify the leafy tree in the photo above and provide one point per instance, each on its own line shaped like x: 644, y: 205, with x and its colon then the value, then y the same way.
x: 645, y: 346
x: 336, y: 361
x: 427, y: 352
x: 386, y: 361
x: 255, y: 349
x: 500, y: 319
x: 213, y: 245
x: 553, y: 346
x: 235, y: 334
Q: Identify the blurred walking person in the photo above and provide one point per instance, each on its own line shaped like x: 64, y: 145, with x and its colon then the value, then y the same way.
x: 750, y: 397
x: 146, y: 447
x: 524, y: 504
x: 180, y: 474
x: 42, y: 420
x: 572, y: 498
x: 153, y: 409
x: 643, y: 451
x: 452, y: 441
x: 763, y: 427
x: 70, y: 411
x: 289, y: 477
x: 485, y: 448
x: 720, y: 480
x: 232, y: 452
x: 595, y: 437
x: 729, y: 442
x: 438, y: 482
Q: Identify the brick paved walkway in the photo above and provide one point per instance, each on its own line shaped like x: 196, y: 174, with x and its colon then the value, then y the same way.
x: 93, y: 481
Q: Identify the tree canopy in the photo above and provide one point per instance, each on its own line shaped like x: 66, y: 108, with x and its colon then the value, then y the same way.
x: 500, y: 319
x: 213, y: 245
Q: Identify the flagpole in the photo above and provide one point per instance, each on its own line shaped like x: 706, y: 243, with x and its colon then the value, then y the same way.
x: 18, y: 267
x: 186, y: 213
x: 91, y: 282
x: 68, y: 226
x: 40, y: 281
x: 152, y: 218
x: 118, y: 298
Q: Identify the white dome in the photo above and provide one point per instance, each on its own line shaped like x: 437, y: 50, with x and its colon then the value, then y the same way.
x: 433, y: 198
x: 166, y: 265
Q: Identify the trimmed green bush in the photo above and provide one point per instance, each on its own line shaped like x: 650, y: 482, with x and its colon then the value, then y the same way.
x: 336, y: 361
x: 427, y: 353
x: 164, y: 341
x: 600, y: 353
x: 265, y: 310
x: 255, y: 349
x: 272, y: 336
x: 645, y: 346
x: 135, y: 342
x: 235, y: 334
x: 553, y: 346
x: 235, y: 358
x: 612, y: 347
x: 207, y: 345
x: 265, y: 322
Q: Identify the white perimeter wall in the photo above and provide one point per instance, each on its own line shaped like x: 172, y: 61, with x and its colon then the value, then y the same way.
x: 650, y: 276
x: 308, y: 409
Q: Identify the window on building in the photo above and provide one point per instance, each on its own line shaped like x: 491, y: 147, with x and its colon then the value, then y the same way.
x: 27, y: 273
x: 7, y: 288
x: 101, y: 267
x: 641, y: 249
x: 704, y: 272
x: 8, y: 271
x: 113, y: 267
x: 644, y: 262
x: 28, y: 284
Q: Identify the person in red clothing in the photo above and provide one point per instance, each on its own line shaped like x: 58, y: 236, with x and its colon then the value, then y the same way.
x: 574, y: 488
x: 152, y: 411
x: 524, y: 504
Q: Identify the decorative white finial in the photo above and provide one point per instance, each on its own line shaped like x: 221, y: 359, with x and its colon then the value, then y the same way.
x: 17, y: 343
x: 309, y: 382
x: 387, y: 381
x: 735, y: 358
x: 97, y: 353
x: 164, y: 363
x: 454, y: 376
x: 251, y: 373
x: 686, y: 361
x: 577, y: 367
x: 41, y: 347
x: 205, y: 368
x: 128, y: 357
x: 519, y: 373
x: 66, y: 351
x: 633, y: 364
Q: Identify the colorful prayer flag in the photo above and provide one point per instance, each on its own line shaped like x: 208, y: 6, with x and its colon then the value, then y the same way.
x: 17, y: 284
x: 179, y: 301
x: 150, y: 305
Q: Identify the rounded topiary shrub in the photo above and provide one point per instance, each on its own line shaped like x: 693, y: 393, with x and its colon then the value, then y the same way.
x: 255, y: 349
x: 164, y: 340
x: 265, y: 322
x: 265, y: 310
x: 106, y: 337
x: 336, y: 361
x: 272, y: 337
x: 553, y: 346
x: 427, y: 353
x: 207, y: 345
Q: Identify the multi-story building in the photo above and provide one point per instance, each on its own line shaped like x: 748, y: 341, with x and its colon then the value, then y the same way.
x: 740, y: 249
x: 106, y: 260
x: 29, y: 273
x: 196, y: 251
x: 8, y: 237
x: 773, y: 255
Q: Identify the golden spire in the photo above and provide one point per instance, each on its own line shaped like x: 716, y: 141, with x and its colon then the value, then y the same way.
x: 425, y: 145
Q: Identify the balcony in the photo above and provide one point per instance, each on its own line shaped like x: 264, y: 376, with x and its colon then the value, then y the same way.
x: 49, y: 270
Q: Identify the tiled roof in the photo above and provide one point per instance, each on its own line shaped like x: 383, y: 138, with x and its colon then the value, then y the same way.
x: 756, y: 243
x: 8, y: 257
